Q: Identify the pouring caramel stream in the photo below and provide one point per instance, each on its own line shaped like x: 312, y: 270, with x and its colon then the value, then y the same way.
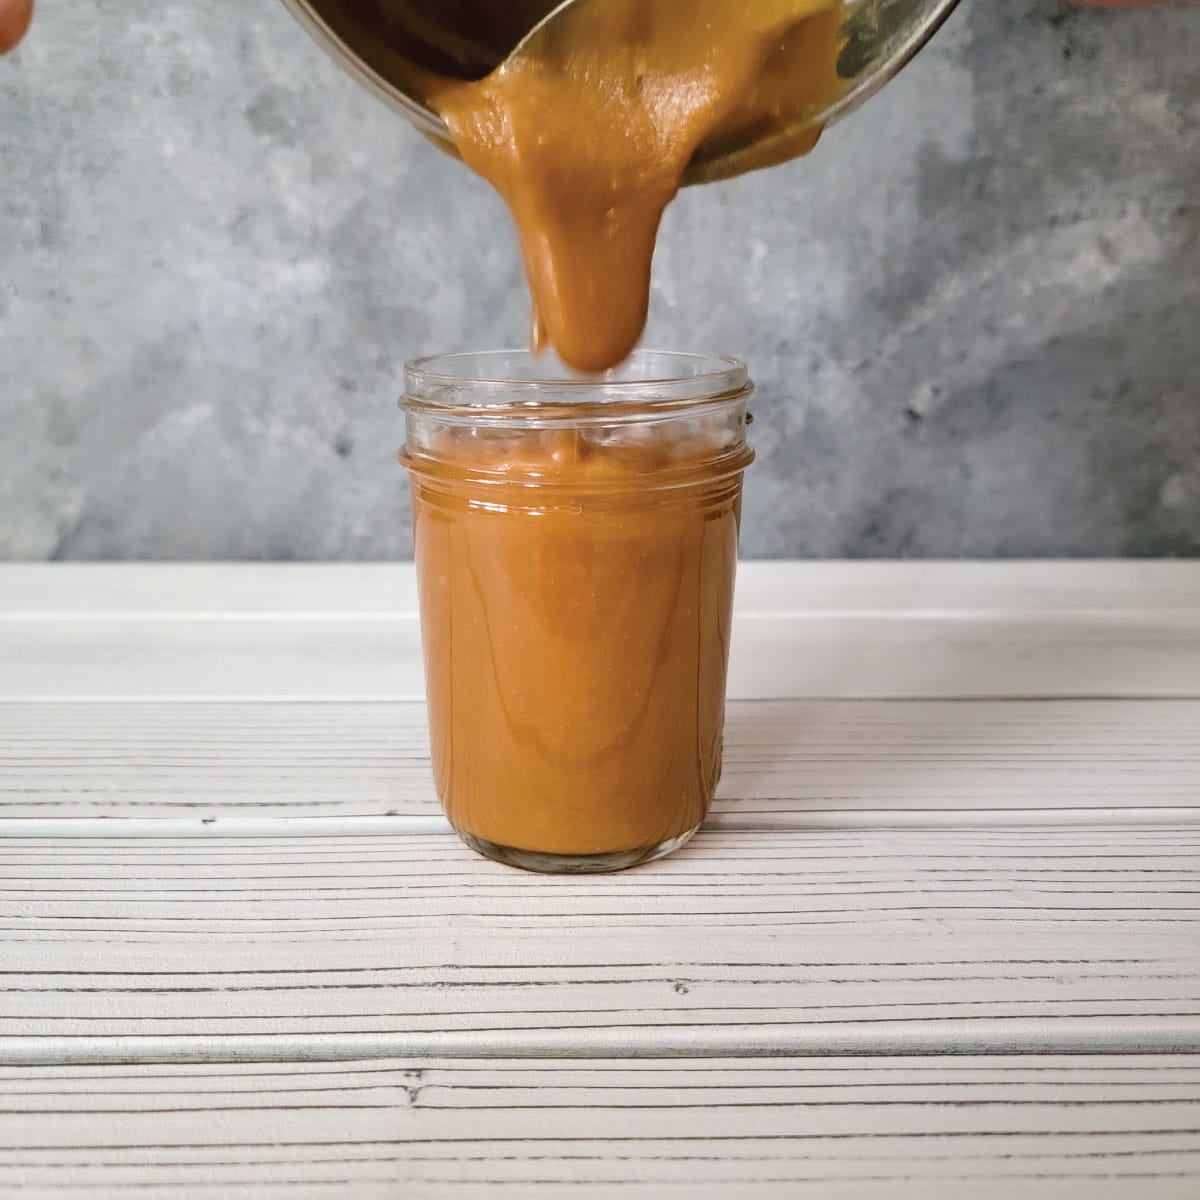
x: 576, y: 578
x: 587, y: 135
x: 587, y: 131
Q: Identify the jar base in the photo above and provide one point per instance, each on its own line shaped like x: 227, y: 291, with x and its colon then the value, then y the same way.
x: 574, y: 864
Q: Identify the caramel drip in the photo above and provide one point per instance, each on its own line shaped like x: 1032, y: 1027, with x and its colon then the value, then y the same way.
x: 587, y: 134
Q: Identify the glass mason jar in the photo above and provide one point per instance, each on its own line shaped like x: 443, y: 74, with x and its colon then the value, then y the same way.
x: 575, y: 541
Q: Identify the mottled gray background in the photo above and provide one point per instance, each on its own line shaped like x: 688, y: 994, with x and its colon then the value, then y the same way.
x: 973, y: 313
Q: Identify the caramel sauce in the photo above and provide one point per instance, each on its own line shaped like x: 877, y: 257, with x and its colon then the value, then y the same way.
x: 576, y: 635
x: 587, y: 136
x: 575, y: 611
x: 588, y: 133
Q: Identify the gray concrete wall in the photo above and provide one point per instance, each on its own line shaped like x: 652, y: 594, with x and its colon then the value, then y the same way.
x: 973, y: 313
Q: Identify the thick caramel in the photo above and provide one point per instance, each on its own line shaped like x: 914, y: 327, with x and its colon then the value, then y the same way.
x: 588, y: 133
x: 587, y: 137
x: 576, y: 611
x: 576, y: 626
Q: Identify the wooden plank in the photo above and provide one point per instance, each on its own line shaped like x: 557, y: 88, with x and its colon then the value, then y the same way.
x: 859, y: 657
x: 802, y: 630
x: 388, y: 590
x: 195, y: 657
x: 170, y: 591
x: 875, y: 940
x: 787, y: 762
x: 1110, y: 1126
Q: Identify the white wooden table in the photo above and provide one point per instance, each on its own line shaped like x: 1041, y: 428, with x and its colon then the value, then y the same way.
x: 940, y: 936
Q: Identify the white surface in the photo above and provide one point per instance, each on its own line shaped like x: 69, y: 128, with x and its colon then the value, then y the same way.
x: 191, y: 873
x: 786, y: 762
x: 1111, y: 1127
x: 862, y: 630
x: 760, y: 941
x: 166, y: 591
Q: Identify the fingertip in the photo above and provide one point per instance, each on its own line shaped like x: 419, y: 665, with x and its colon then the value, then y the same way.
x: 15, y: 16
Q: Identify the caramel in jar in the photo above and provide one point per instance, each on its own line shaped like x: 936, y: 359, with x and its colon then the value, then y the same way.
x: 576, y: 564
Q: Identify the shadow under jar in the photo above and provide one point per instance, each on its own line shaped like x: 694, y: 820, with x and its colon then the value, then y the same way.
x: 576, y: 541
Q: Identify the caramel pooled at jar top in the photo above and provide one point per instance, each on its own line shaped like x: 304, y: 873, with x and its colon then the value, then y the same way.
x: 576, y: 540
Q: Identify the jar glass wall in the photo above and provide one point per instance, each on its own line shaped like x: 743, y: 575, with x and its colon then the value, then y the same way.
x: 575, y: 541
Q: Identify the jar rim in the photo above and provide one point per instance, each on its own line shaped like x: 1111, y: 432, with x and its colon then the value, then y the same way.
x: 499, y: 382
